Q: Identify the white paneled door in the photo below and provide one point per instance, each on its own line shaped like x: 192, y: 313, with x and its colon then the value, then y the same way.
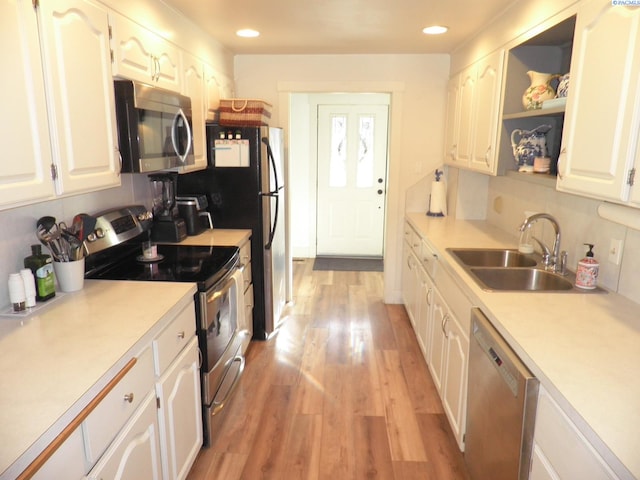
x: 352, y: 164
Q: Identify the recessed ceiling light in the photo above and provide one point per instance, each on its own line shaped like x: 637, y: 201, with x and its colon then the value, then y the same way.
x: 434, y: 30
x: 248, y: 33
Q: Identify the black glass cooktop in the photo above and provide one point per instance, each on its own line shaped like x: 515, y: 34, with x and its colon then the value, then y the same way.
x: 175, y: 263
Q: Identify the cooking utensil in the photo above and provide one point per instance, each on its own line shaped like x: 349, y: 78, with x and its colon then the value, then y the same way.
x: 49, y: 235
x: 84, y: 225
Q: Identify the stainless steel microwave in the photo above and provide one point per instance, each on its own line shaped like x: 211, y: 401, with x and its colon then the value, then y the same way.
x: 154, y: 127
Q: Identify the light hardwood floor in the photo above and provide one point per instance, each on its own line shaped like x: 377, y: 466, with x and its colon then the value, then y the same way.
x: 341, y: 392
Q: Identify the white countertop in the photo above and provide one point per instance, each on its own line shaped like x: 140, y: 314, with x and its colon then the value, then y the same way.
x: 584, y: 348
x: 54, y: 362
x: 219, y: 237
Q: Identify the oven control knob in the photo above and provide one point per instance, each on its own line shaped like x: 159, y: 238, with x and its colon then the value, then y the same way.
x: 145, y: 216
x: 99, y: 233
x: 91, y: 237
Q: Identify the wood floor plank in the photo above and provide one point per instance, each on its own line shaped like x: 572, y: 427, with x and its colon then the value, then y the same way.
x: 341, y: 392
x: 373, y: 457
x: 404, y: 435
x: 309, y: 392
x: 448, y: 462
x: 414, y: 471
x: 218, y: 466
x: 423, y: 392
x: 303, y: 448
x: 337, y: 455
x: 268, y: 455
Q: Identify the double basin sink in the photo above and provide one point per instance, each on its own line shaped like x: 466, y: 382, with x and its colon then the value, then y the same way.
x: 510, y: 270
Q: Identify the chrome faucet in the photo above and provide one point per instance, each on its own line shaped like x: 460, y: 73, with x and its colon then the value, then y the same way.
x: 552, y: 260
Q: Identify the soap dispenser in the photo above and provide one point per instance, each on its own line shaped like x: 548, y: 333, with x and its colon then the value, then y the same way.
x: 587, y: 271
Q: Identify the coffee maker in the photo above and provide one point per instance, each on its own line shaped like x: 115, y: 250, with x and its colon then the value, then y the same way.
x: 167, y: 224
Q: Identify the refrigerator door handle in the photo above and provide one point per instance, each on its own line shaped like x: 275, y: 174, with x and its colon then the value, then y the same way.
x: 272, y: 230
x: 273, y: 193
x: 272, y: 160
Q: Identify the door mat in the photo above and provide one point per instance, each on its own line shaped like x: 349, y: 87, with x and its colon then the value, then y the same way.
x: 342, y: 264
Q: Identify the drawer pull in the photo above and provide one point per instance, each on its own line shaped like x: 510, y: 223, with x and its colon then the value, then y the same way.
x: 128, y: 397
x: 181, y: 334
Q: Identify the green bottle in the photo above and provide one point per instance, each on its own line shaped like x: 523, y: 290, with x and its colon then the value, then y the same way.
x: 42, y: 267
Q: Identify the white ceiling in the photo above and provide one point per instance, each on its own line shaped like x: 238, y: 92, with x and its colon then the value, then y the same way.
x: 340, y: 26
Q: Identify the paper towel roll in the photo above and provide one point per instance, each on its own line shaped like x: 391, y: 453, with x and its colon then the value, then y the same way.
x: 438, y: 200
x: 627, y: 216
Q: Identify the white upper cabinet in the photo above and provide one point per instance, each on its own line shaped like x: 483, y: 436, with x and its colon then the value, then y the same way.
x: 211, y: 92
x: 473, y: 103
x: 486, y: 113
x: 80, y: 98
x: 140, y: 54
x: 453, y: 120
x: 194, y: 87
x: 25, y: 168
x: 601, y: 123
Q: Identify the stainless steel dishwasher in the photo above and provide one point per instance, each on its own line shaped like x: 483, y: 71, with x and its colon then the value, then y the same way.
x: 502, y: 397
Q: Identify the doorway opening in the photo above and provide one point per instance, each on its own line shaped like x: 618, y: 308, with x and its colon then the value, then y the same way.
x: 342, y: 205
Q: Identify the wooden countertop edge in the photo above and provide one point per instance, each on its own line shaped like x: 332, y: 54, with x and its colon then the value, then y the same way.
x: 40, y: 460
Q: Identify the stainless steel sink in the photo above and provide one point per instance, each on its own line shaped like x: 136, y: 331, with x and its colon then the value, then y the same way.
x: 507, y: 270
x: 520, y: 279
x: 492, y: 257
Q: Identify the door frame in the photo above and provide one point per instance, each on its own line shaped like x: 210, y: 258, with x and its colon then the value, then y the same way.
x: 348, y: 100
x: 394, y: 217
x: 352, y: 98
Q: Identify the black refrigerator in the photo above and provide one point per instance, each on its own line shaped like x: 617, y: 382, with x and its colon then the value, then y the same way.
x: 244, y: 185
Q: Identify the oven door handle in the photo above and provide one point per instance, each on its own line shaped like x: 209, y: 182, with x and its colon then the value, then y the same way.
x: 219, y: 404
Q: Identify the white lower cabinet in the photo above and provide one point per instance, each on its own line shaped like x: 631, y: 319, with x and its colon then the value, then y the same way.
x: 440, y: 314
x: 135, y: 453
x: 180, y: 413
x: 66, y: 462
x: 424, y: 301
x: 448, y: 363
x: 148, y: 422
x: 560, y: 451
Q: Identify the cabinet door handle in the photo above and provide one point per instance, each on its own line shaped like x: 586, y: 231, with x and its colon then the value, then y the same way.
x: 486, y: 155
x: 445, y: 319
x: 563, y: 153
x: 429, y: 294
x: 181, y: 335
x: 452, y: 152
x: 128, y: 397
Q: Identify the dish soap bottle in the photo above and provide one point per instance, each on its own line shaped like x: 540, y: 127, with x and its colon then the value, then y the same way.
x: 42, y: 267
x: 587, y: 272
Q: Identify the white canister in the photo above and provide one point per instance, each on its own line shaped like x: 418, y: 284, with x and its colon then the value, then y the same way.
x: 16, y: 292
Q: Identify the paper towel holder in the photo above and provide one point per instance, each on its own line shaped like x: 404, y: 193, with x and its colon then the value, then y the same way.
x: 437, y: 197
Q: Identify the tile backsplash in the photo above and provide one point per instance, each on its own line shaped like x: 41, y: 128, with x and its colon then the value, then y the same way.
x: 509, y: 198
x: 18, y: 224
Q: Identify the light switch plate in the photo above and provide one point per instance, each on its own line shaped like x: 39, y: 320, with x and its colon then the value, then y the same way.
x: 615, y: 251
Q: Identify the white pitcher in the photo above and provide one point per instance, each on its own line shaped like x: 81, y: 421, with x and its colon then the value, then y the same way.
x: 539, y: 90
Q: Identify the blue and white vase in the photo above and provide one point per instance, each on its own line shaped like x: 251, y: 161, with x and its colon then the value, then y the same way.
x: 563, y: 86
x: 532, y: 144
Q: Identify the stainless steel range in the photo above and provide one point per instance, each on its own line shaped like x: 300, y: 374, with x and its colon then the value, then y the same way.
x: 115, y: 254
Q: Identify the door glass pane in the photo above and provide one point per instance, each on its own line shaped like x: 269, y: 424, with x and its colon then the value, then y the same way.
x: 364, y: 176
x: 338, y: 162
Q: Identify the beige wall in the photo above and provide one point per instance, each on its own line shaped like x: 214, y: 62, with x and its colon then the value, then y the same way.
x: 417, y: 87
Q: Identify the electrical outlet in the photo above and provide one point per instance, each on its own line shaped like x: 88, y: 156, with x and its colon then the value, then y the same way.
x: 615, y: 251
